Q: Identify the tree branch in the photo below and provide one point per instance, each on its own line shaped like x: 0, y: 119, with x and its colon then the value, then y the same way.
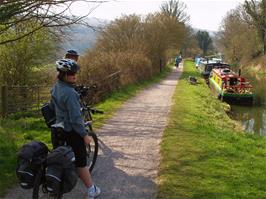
x: 14, y: 13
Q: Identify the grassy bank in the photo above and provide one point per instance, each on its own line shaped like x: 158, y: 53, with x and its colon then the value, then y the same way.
x: 17, y: 130
x: 204, y: 153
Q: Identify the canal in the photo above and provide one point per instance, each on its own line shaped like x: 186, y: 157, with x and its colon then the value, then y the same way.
x: 253, y: 118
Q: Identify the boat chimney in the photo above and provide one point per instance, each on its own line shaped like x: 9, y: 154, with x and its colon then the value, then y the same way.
x: 239, y: 72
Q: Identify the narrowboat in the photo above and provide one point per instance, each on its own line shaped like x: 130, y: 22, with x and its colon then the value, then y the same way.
x: 206, y: 67
x: 231, y: 87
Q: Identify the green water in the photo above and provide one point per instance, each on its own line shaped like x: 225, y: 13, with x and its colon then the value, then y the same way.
x: 253, y: 118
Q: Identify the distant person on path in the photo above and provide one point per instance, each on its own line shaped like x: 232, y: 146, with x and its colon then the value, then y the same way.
x: 178, y: 60
x: 72, y: 54
x: 197, y: 60
x: 65, y: 102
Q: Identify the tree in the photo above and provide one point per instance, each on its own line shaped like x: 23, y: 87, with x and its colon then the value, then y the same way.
x: 133, y: 45
x: 204, y: 41
x: 123, y: 34
x: 17, y: 59
x: 237, y: 38
x: 42, y: 12
x: 189, y: 45
x: 257, y: 12
x: 176, y: 9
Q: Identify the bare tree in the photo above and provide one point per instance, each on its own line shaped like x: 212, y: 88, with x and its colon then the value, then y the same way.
x: 237, y: 38
x: 44, y: 13
x: 257, y: 12
x: 175, y: 8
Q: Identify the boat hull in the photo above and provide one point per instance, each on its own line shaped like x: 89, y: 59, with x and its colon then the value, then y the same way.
x: 238, y: 99
x: 231, y: 98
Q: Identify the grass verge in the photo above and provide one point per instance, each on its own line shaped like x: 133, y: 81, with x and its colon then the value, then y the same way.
x: 204, y: 153
x: 20, y: 128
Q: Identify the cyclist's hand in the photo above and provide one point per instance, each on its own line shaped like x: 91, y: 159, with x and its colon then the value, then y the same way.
x: 87, y: 139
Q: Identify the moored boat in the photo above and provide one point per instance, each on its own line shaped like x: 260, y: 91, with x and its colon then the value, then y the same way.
x: 206, y: 67
x: 231, y: 87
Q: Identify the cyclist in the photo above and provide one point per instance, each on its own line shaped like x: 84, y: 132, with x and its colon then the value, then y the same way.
x: 178, y: 59
x: 65, y: 102
x: 72, y: 54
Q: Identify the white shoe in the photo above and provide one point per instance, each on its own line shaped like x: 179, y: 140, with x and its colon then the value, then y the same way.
x: 93, y: 192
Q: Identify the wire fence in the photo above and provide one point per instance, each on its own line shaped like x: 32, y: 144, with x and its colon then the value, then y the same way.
x: 21, y: 99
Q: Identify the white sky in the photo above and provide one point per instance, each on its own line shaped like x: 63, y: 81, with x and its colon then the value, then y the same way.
x: 204, y: 14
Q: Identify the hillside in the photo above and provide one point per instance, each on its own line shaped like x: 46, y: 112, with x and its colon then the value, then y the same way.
x: 80, y: 37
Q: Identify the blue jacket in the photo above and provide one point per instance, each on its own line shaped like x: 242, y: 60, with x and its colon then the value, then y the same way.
x: 66, y: 103
x: 178, y: 59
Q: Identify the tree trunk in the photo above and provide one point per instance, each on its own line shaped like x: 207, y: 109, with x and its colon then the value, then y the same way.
x: 264, y: 43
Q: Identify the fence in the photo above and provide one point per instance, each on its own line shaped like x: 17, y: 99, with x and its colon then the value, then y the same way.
x: 23, y: 98
x: 14, y: 99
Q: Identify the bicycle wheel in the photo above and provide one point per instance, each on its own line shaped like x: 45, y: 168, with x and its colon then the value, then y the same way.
x: 92, y: 151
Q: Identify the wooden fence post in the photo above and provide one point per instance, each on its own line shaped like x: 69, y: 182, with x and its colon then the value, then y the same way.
x: 4, y: 97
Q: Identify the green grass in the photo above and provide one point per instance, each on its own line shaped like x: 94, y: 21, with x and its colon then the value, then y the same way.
x: 14, y: 133
x: 204, y: 153
x: 21, y: 128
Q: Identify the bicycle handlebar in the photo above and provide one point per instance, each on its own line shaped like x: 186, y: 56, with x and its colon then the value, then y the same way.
x: 84, y: 90
x: 93, y: 110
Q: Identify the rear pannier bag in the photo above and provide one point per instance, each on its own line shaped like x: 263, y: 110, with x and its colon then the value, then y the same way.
x: 61, y: 176
x: 31, y: 161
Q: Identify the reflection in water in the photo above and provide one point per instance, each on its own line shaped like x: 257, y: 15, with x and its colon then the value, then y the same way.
x: 263, y: 128
x: 252, y: 118
x: 249, y: 125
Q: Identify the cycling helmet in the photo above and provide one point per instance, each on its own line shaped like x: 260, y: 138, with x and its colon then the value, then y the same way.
x: 72, y: 52
x: 67, y: 66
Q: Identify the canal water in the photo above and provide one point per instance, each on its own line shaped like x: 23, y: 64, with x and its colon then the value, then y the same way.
x: 253, y: 118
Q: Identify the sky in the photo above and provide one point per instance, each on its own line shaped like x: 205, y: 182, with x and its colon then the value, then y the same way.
x: 204, y: 14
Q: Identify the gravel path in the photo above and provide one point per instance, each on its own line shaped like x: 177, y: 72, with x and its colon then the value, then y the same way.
x: 128, y: 162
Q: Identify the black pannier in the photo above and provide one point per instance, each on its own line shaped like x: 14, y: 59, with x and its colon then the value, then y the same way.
x: 48, y: 114
x: 30, y: 162
x: 61, y: 176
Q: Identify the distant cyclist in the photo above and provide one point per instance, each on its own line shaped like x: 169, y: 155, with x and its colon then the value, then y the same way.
x: 65, y: 101
x: 72, y: 54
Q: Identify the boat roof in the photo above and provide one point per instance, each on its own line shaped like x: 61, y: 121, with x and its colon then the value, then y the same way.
x: 215, y: 63
x: 225, y: 72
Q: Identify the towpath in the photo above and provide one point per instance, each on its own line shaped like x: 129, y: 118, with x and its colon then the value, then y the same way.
x: 127, y: 166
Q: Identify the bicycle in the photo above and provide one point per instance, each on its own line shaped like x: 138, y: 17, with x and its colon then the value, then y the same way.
x: 58, y: 139
x: 87, y: 113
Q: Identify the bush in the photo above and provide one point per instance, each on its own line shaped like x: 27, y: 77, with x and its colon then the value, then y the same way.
x: 134, y: 46
x: 98, y: 68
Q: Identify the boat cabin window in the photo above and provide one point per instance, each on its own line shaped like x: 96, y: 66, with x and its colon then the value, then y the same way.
x: 226, y: 70
x: 233, y: 81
